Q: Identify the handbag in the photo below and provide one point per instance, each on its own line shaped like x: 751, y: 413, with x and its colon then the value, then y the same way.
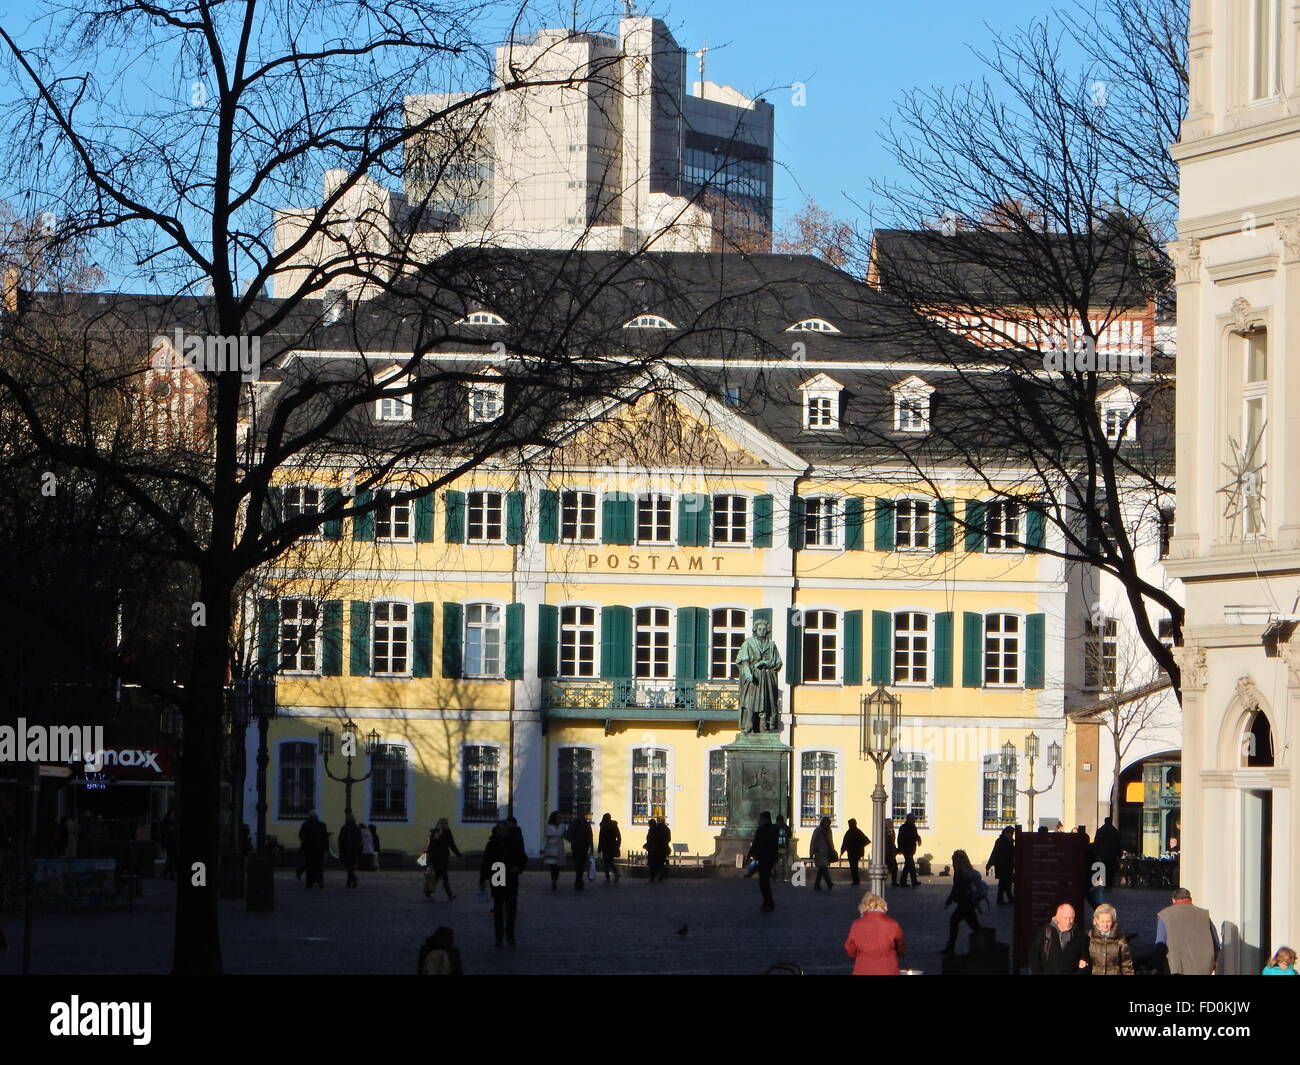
x: 591, y: 868
x: 751, y: 867
x: 422, y: 861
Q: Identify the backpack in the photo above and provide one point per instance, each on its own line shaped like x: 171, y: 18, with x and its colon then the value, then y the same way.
x: 979, y: 891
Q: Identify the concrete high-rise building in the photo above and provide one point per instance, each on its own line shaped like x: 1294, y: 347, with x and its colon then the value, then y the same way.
x: 603, y: 149
x: 1237, y: 536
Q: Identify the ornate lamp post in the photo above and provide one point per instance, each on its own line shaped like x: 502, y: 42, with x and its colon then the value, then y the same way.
x: 257, y: 694
x: 349, y: 752
x: 1010, y: 767
x: 880, y: 716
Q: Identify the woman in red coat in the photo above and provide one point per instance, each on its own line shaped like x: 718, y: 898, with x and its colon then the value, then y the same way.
x: 875, y: 940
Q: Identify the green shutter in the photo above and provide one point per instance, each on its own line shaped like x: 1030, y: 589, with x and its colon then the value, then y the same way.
x: 363, y: 525
x: 422, y: 646
x: 514, y: 518
x: 548, y: 640
x: 1035, y: 632
x: 762, y: 521
x: 615, y: 642
x: 943, y: 649
x: 687, y: 651
x: 274, y: 509
x: 943, y: 526
x: 268, y: 635
x: 424, y: 518
x: 703, y: 521
x: 616, y: 521
x: 884, y: 525
x: 798, y: 523
x: 548, y: 517
x: 793, y: 646
x: 1035, y: 526
x: 454, y: 523
x: 882, y: 646
x: 974, y: 525
x: 515, y: 641
x: 453, y: 635
x: 331, y: 628
x: 359, y: 665
x: 693, y: 529
x: 972, y: 650
x: 854, y: 517
x: 853, y: 647
x: 333, y: 527
x: 703, y: 641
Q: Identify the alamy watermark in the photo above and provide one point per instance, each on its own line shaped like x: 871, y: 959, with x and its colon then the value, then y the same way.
x: 53, y: 743
x: 210, y: 353
x: 1081, y: 354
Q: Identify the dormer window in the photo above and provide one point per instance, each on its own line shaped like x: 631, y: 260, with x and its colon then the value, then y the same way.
x: 649, y: 321
x: 1117, y: 409
x: 481, y: 318
x: 487, y: 399
x: 912, y: 405
x: 812, y: 325
x: 394, y: 408
x: 821, y: 403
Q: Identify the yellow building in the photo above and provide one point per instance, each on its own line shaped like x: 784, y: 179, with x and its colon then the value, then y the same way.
x: 559, y: 633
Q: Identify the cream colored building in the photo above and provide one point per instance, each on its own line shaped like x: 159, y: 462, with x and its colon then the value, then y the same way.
x: 1237, y: 542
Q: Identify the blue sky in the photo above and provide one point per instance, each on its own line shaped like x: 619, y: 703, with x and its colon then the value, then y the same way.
x: 854, y: 57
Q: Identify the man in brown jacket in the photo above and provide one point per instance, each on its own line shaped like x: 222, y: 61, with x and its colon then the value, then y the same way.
x: 1190, y: 941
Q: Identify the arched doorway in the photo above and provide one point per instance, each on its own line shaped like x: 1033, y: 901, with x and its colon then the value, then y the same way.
x: 1151, y: 805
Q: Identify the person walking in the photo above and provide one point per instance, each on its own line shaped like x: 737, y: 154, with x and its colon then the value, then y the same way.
x: 438, y: 851
x: 608, y: 846
x: 1191, y: 945
x: 1059, y: 948
x: 822, y: 851
x: 875, y: 940
x: 853, y: 846
x: 315, y: 841
x: 580, y: 846
x: 784, y: 835
x: 1282, y: 963
x: 1106, y: 849
x: 504, y: 860
x: 1003, y: 864
x: 439, y: 956
x: 553, y: 848
x: 908, y: 840
x: 763, y: 851
x: 657, y: 849
x: 966, y: 889
x: 1108, y: 950
x: 350, y: 848
x: 891, y: 851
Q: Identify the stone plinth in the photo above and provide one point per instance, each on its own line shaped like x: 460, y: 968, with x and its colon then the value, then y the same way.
x: 758, y: 779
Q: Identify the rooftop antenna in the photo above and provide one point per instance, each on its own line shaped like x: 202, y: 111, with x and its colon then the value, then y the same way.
x: 700, y: 55
x: 629, y: 8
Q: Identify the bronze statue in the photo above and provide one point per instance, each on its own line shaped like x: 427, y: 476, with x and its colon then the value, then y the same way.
x: 760, y: 699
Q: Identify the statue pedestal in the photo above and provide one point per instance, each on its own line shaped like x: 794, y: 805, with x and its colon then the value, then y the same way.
x: 758, y: 779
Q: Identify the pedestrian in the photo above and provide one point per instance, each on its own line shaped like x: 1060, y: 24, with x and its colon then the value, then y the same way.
x: 891, y: 851
x: 1059, y: 948
x: 967, y: 887
x: 553, y: 848
x: 504, y: 859
x: 908, y: 840
x: 822, y: 851
x: 580, y: 846
x: 1106, y: 849
x: 517, y: 832
x: 665, y: 847
x: 875, y: 940
x: 1191, y: 945
x: 784, y: 835
x: 439, y: 956
x: 373, y: 833
x: 314, y: 838
x: 763, y: 852
x: 609, y: 845
x: 854, y: 845
x: 350, y: 848
x: 657, y: 848
x: 1108, y: 950
x: 1282, y: 963
x: 1003, y: 864
x: 438, y: 851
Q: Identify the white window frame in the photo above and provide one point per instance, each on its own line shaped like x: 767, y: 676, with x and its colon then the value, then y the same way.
x: 291, y: 512
x: 595, y: 775
x: 1016, y: 525
x: 298, y: 670
x: 1019, y: 635
x: 317, y: 776
x: 391, y: 517
x: 461, y: 783
x: 833, y: 775
x: 374, y: 633
x: 484, y: 627
x: 398, y: 408
x: 835, y: 518
x: 1003, y: 779
x: 500, y: 538
x: 1254, y: 522
x: 912, y: 502
x: 481, y: 317
x: 1118, y: 423
x: 649, y: 321
x: 408, y: 784
x: 579, y: 627
x: 838, y: 633
x: 927, y: 775
x: 730, y: 632
x: 666, y: 644
x: 669, y: 774
x: 912, y: 405
x: 484, y: 395
x: 710, y: 825
x: 812, y: 325
x: 595, y: 508
x: 1271, y: 36
x: 654, y: 499
x: 1101, y: 645
x: 746, y: 525
x: 910, y: 636
x: 819, y: 412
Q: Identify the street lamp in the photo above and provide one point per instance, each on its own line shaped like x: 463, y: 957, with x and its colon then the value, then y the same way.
x: 255, y: 699
x: 879, y: 723
x: 1009, y: 767
x: 349, y: 752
